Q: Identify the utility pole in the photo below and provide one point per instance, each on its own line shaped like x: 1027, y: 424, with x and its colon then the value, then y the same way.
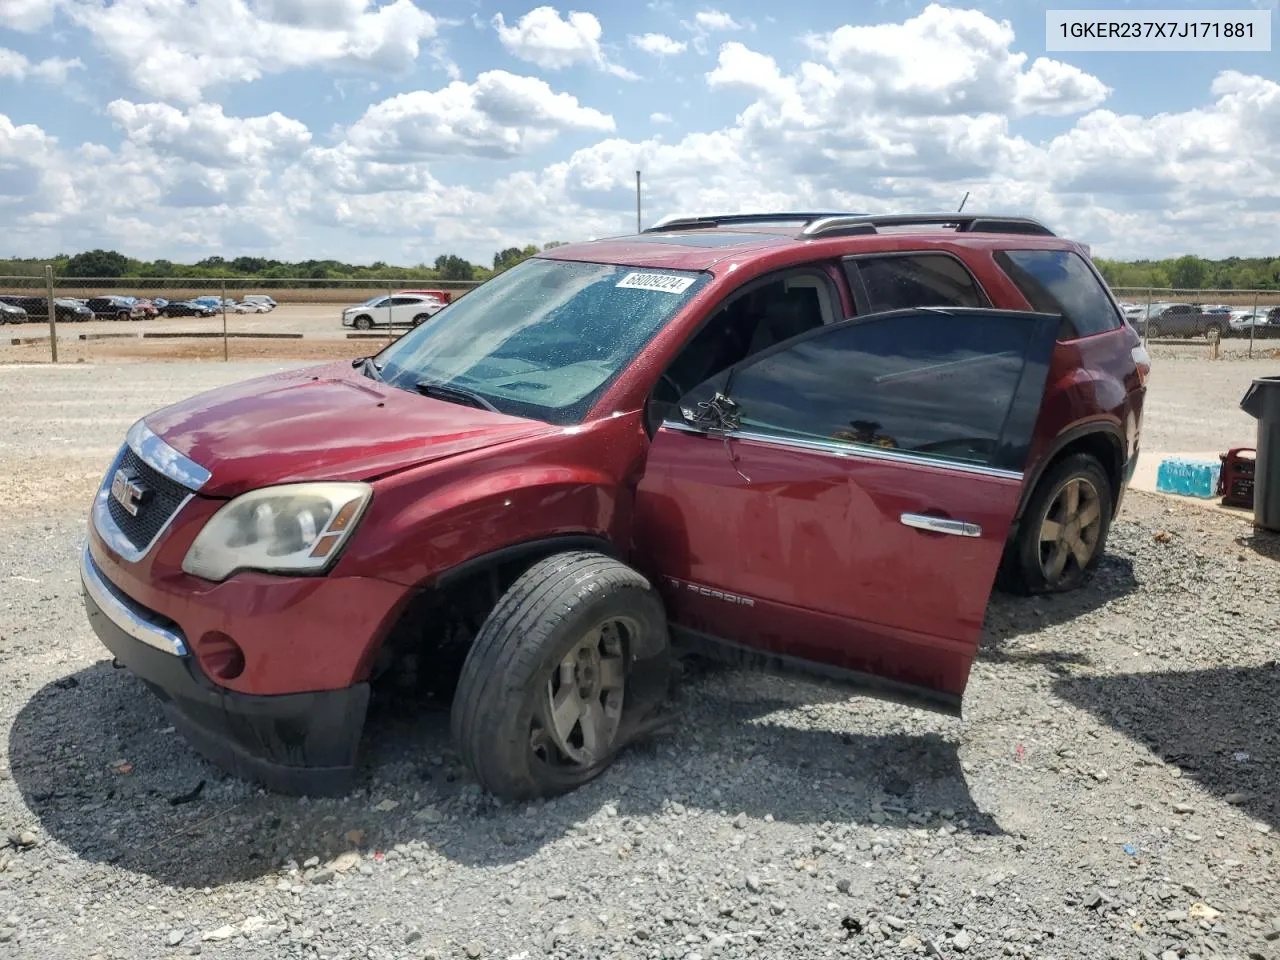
x: 638, y: 227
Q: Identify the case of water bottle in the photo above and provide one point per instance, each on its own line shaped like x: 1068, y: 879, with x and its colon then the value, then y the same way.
x: 1189, y: 478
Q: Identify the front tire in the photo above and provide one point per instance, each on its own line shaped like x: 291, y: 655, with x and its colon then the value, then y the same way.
x: 540, y: 701
x: 363, y: 323
x: 1153, y: 330
x: 1064, y: 528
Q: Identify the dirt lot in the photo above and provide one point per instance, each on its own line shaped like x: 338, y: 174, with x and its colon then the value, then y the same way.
x: 1112, y: 790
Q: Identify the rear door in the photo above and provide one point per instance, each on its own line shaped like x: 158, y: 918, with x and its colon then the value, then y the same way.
x: 838, y: 504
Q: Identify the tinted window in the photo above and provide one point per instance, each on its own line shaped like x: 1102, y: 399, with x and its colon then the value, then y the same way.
x: 916, y: 280
x: 1059, y: 281
x: 940, y: 385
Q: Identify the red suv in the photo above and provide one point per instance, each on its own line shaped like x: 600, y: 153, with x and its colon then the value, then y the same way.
x: 807, y: 442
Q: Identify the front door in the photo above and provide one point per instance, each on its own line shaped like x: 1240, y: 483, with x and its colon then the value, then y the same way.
x: 839, y: 502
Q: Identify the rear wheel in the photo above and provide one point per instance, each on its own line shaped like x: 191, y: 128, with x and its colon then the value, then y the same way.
x: 421, y: 319
x: 1063, y: 531
x: 541, y: 696
x: 363, y: 323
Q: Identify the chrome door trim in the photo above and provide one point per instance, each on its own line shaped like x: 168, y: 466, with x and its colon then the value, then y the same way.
x: 955, y: 528
x: 852, y: 450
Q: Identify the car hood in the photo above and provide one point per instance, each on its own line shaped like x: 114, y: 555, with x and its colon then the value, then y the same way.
x: 323, y: 423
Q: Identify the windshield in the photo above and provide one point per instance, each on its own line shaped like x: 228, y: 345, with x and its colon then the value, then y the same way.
x: 543, y: 339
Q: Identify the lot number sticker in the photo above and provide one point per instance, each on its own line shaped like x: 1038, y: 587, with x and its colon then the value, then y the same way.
x: 662, y: 282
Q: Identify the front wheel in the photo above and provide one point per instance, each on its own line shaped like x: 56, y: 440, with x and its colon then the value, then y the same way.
x: 363, y: 323
x: 1153, y: 330
x: 539, y: 707
x: 1064, y: 529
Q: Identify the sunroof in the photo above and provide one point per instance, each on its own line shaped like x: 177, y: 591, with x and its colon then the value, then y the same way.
x: 706, y: 238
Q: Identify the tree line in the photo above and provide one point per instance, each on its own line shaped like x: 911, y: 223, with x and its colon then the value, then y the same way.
x: 111, y: 264
x: 1194, y: 273
x: 1184, y: 273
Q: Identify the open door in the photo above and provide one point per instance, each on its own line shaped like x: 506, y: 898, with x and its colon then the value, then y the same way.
x: 838, y: 504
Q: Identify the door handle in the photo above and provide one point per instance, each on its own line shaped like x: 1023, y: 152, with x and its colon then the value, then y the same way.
x: 956, y: 528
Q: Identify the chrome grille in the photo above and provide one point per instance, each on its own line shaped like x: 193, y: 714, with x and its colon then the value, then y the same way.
x: 163, y: 499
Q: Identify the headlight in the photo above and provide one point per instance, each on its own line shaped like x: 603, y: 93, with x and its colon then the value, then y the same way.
x: 294, y: 528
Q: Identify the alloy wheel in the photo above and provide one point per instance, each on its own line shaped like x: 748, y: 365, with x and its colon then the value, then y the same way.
x: 1070, y: 531
x: 583, y: 699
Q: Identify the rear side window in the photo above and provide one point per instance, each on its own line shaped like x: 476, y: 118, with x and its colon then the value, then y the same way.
x: 1059, y: 281
x: 903, y: 282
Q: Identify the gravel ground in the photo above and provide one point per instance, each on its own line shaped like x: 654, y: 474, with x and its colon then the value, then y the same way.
x: 1110, y: 792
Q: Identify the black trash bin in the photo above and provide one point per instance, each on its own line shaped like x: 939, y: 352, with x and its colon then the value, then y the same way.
x: 1262, y: 402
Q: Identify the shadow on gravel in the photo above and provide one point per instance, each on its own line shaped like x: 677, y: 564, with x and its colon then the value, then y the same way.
x: 1221, y: 727
x: 104, y: 774
x: 1263, y: 543
x: 1010, y: 618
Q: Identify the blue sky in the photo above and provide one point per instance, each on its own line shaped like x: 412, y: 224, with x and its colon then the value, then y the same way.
x: 370, y: 130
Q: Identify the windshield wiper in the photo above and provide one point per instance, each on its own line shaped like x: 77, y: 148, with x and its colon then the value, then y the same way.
x: 444, y: 391
x: 368, y: 367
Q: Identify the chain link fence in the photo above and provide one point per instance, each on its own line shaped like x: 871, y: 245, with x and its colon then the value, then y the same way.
x: 210, y: 317
x: 1236, y: 318
x: 305, y: 318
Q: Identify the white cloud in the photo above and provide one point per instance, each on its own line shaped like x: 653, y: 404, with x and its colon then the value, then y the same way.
x: 500, y: 115
x: 547, y: 40
x: 14, y: 66
x: 175, y: 50
x: 658, y: 44
x: 205, y: 135
x: 715, y: 20
x: 27, y: 14
x: 856, y: 123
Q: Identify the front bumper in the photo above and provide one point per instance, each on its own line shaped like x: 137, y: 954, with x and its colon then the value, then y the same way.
x: 293, y: 743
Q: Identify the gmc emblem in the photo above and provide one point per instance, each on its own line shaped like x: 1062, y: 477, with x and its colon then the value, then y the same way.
x: 129, y: 492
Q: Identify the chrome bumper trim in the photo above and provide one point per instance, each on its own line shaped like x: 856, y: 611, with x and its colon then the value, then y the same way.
x: 124, y: 613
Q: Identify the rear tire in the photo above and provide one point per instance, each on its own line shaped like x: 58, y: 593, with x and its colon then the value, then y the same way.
x: 1061, y: 537
x: 421, y: 319
x: 363, y: 323
x: 538, y: 705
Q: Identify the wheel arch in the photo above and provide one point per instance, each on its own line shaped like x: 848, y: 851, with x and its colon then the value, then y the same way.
x: 1100, y: 439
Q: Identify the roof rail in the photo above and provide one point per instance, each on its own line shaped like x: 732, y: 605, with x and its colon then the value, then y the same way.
x: 733, y: 219
x: 816, y: 225
x: 963, y: 223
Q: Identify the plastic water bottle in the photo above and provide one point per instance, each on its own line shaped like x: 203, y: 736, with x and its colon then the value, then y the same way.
x: 1188, y: 478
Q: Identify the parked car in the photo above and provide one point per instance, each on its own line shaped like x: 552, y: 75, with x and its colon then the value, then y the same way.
x: 260, y: 298
x: 12, y: 314
x: 186, y: 308
x: 251, y: 306
x: 148, y: 309
x: 394, y: 311
x: 1185, y: 320
x: 215, y: 303
x: 113, y: 308
x: 617, y: 450
x: 65, y: 311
